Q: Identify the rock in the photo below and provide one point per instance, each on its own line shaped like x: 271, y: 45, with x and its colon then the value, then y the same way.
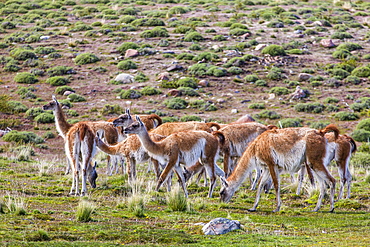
x: 66, y: 93
x: 44, y: 37
x: 131, y: 53
x: 304, y: 76
x: 318, y: 23
x: 299, y: 93
x: 175, y: 67
x: 298, y: 35
x: 234, y: 111
x: 245, y: 119
x: 328, y: 43
x: 203, y: 83
x: 125, y: 78
x: 232, y: 53
x: 174, y: 92
x: 220, y: 226
x: 245, y: 36
x: 260, y: 47
x: 271, y: 96
x: 220, y: 101
x: 164, y: 76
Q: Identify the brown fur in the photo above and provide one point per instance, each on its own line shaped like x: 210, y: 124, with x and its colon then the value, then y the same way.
x: 283, y: 150
x: 80, y: 140
x: 132, y: 150
x: 151, y: 121
x: 167, y: 129
x: 182, y: 147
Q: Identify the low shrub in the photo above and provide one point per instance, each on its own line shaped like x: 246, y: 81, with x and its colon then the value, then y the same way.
x: 155, y: 32
x: 44, y: 118
x: 257, y: 106
x: 57, y: 81
x: 130, y: 94
x: 361, y: 135
x: 188, y: 91
x: 44, y: 50
x: 31, y: 113
x: 25, y: 78
x: 111, y: 109
x: 60, y: 70
x: 274, y: 50
x: 346, y: 116
x: 22, y: 137
x: 309, y: 107
x: 268, y: 114
x: 275, y: 74
x: 279, y: 90
x: 22, y: 54
x: 185, y: 56
x: 76, y: 98
x: 349, y: 46
x: 364, y: 124
x: 86, y: 58
x: 291, y: 122
x: 126, y: 65
x: 352, y: 80
x: 261, y: 83
x: 206, y: 56
x: 141, y: 77
x: 187, y: 118
x: 127, y: 45
x: 341, y: 35
x: 148, y: 90
x: 235, y: 70
x: 330, y: 100
x: 193, y: 36
x: 363, y: 71
x: 176, y: 103
x: 62, y: 89
x: 251, y: 78
x: 319, y: 125
x: 16, y: 106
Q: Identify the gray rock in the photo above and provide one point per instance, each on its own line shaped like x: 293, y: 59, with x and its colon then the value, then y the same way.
x: 260, y: 47
x: 220, y: 226
x: 125, y: 78
x: 328, y: 43
x: 304, y: 76
x: 131, y: 53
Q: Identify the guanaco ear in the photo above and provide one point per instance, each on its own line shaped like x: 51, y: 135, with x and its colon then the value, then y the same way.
x: 139, y: 120
x: 94, y: 165
x: 224, y: 182
x: 128, y: 113
x: 55, y: 99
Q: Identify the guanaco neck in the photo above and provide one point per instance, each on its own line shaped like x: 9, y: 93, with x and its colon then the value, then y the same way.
x: 147, y: 142
x: 61, y: 122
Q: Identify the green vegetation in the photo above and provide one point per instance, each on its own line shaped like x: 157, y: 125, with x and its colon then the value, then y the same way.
x: 274, y: 50
x: 86, y: 58
x: 25, y: 78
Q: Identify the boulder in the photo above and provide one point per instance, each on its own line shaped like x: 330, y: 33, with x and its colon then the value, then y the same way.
x: 131, y: 53
x: 203, y: 83
x: 165, y: 76
x: 327, y: 43
x: 260, y: 47
x: 174, y: 92
x: 125, y: 78
x: 304, y: 76
x: 220, y: 226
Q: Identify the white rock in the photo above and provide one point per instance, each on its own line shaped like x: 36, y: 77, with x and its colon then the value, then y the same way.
x: 125, y: 78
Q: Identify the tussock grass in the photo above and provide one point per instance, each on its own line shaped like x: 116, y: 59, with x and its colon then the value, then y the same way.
x: 16, y: 205
x: 84, y: 211
x: 176, y: 200
x: 45, y: 167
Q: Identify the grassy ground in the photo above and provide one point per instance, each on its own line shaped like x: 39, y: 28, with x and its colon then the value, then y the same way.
x: 49, y: 217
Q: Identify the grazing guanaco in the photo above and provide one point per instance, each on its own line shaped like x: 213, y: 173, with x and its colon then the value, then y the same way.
x: 80, y: 141
x: 284, y: 150
x: 185, y: 147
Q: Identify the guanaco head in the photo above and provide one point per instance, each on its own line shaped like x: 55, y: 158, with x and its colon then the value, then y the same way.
x: 123, y: 120
x: 135, y: 127
x: 226, y: 191
x: 92, y: 175
x: 52, y: 105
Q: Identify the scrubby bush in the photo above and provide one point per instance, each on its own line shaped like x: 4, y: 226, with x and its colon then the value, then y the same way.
x: 309, y: 107
x: 235, y: 70
x: 349, y: 46
x: 22, y: 137
x: 176, y: 103
x: 130, y: 94
x: 205, y: 56
x: 275, y: 74
x: 188, y: 91
x: 238, y: 31
x: 361, y: 135
x: 291, y: 122
x: 268, y: 114
x: 86, y: 58
x: 339, y: 73
x: 148, y: 90
x: 76, y: 98
x: 60, y: 70
x: 279, y: 90
x: 274, y: 50
x: 216, y: 71
x: 44, y: 118
x: 341, y: 35
x: 251, y: 78
x: 22, y: 54
x: 195, y: 47
x: 111, y: 109
x: 346, y: 116
x: 364, y: 124
x: 185, y: 56
x: 188, y: 118
x: 187, y: 82
x: 342, y: 54
x: 57, y: 81
x: 319, y: 125
x: 363, y: 71
x: 193, y: 36
x: 127, y: 45
x: 155, y: 32
x: 330, y: 100
x: 62, y: 89
x: 33, y: 112
x: 219, y: 37
x: 257, y: 106
x: 352, y: 80
x: 148, y: 22
x: 261, y: 83
x: 44, y: 50
x: 126, y: 65
x: 235, y: 61
x: 25, y: 78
